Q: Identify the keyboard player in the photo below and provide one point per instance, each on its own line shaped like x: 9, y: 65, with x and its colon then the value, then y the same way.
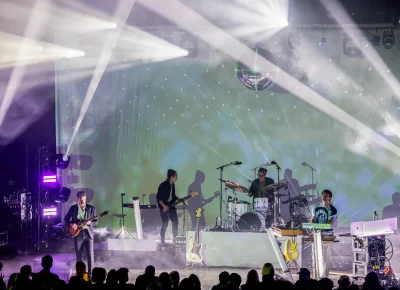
x: 325, y: 213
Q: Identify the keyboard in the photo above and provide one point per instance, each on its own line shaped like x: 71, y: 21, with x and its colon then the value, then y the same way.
x: 315, y: 226
x: 324, y: 239
x: 142, y: 206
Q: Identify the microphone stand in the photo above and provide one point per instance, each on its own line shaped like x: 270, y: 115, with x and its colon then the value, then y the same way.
x: 221, y: 170
x: 277, y: 211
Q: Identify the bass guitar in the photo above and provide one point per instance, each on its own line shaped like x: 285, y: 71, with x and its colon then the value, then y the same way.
x: 73, y: 232
x: 195, y: 247
x: 171, y: 205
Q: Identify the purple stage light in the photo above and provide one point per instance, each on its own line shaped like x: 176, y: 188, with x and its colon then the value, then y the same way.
x: 50, y: 211
x: 49, y: 178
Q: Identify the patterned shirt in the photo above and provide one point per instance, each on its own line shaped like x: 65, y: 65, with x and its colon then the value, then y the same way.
x: 322, y: 214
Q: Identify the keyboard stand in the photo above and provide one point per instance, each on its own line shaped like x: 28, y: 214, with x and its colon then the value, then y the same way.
x: 279, y: 255
x: 318, y: 259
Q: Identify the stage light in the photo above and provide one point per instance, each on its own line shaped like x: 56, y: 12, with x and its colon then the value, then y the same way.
x: 50, y: 211
x: 388, y: 38
x: 376, y: 40
x: 190, y: 43
x: 49, y: 179
x: 63, y: 195
x: 293, y: 39
x: 60, y: 161
x: 350, y: 49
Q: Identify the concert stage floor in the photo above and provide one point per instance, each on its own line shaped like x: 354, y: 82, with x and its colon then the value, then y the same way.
x: 64, y: 263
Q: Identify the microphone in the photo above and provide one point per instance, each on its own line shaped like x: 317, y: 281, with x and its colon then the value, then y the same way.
x: 273, y: 162
x: 308, y: 165
x: 236, y: 163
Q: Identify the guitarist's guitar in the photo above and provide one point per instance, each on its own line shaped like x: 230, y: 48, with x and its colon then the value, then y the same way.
x: 290, y: 252
x: 195, y: 247
x: 80, y: 224
x: 171, y: 205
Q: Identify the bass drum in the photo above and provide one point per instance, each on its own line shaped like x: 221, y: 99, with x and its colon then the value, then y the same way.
x: 251, y: 222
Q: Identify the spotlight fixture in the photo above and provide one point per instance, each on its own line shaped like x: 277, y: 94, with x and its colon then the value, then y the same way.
x: 191, y: 44
x: 63, y: 195
x: 60, y: 161
x: 350, y: 49
x: 388, y: 38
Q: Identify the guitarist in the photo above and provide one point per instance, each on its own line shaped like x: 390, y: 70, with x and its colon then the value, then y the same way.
x: 166, y: 194
x: 84, y: 240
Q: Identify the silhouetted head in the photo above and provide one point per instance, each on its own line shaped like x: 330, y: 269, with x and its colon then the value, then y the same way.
x: 80, y: 268
x: 200, y: 176
x: 268, y: 272
x: 112, y: 277
x: 47, y: 262
x: 235, y: 278
x: 224, y: 277
x: 165, y: 279
x: 99, y: 275
x: 150, y: 270
x: 288, y: 173
x: 396, y: 198
x: 175, y: 277
x: 344, y: 281
x: 123, y: 275
x: 186, y: 284
x: 26, y: 271
x: 372, y: 280
x: 252, y: 277
x: 196, y: 281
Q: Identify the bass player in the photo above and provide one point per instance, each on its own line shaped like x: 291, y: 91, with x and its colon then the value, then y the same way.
x: 84, y: 240
x: 166, y: 195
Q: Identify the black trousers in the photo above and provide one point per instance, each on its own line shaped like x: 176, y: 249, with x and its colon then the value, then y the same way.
x: 164, y: 219
x: 84, y: 243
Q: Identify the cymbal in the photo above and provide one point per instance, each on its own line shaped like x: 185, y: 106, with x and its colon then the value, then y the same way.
x: 296, y: 198
x: 235, y: 186
x: 308, y: 187
x: 275, y: 186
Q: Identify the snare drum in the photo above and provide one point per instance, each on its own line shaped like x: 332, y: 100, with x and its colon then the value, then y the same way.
x: 241, y: 208
x: 261, y: 204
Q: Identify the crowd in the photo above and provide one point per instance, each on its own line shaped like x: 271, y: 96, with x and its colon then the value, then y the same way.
x: 118, y: 279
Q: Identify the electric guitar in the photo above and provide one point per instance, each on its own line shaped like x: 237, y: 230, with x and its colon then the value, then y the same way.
x: 80, y: 224
x: 195, y: 247
x: 171, y: 204
x: 290, y: 252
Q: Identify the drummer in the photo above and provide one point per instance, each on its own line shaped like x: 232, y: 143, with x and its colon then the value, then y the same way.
x: 257, y: 188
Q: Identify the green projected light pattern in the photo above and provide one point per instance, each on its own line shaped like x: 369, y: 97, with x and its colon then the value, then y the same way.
x: 195, y: 115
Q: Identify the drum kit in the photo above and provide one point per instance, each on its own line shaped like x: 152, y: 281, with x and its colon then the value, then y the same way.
x: 244, y: 216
